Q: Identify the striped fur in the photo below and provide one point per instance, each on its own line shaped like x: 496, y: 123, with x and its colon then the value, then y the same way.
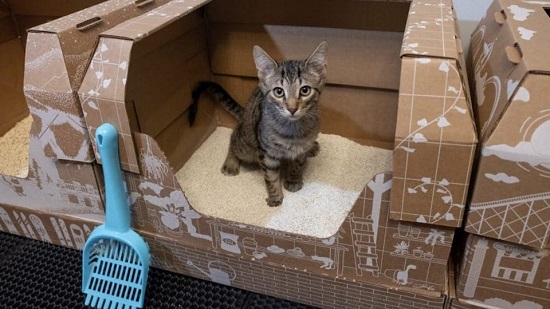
x: 280, y: 123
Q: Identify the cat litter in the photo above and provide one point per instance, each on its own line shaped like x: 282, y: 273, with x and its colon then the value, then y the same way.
x: 332, y: 182
x: 14, y: 149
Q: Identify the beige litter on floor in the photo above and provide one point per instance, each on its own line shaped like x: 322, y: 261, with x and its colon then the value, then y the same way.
x: 14, y: 149
x: 332, y: 182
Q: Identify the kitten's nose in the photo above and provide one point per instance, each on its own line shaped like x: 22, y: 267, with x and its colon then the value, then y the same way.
x: 292, y: 110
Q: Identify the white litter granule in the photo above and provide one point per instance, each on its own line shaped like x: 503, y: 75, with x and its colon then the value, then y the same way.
x: 332, y: 183
x: 14, y: 149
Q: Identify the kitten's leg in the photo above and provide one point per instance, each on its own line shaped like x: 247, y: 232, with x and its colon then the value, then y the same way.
x: 271, y: 167
x: 314, y: 151
x: 231, y: 165
x: 294, y: 177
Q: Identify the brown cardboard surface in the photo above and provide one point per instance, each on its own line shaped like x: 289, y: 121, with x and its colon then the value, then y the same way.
x: 434, y: 121
x: 219, y: 266
x: 63, y: 48
x: 511, y: 196
x: 104, y: 93
x: 496, y: 274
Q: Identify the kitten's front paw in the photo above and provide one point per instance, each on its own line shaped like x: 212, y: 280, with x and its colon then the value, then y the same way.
x: 314, y: 151
x: 274, y: 201
x: 293, y: 186
x: 229, y: 169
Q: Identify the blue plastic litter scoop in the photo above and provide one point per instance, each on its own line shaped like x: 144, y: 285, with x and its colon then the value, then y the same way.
x: 115, y: 260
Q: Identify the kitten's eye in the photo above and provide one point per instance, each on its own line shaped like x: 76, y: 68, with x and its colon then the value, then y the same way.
x: 306, y: 90
x: 278, y: 92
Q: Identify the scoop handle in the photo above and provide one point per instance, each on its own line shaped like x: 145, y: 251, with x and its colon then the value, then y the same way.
x: 117, y: 217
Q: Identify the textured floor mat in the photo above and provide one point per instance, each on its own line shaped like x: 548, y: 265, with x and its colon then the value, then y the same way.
x: 34, y: 274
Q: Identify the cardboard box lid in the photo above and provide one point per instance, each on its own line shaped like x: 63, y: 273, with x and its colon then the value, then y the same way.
x: 73, y: 32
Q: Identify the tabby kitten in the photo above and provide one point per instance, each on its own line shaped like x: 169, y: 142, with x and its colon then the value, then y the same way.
x: 279, y: 124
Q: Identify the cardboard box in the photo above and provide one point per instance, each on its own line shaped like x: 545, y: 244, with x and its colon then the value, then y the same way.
x: 500, y: 274
x: 510, y: 78
x: 46, y: 75
x: 218, y: 266
x: 62, y: 49
x: 170, y: 49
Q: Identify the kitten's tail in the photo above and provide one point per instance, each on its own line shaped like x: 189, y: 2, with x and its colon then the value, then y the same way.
x: 217, y: 92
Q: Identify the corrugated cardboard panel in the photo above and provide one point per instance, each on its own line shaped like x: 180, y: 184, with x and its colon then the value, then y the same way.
x: 431, y: 30
x: 164, y: 39
x: 529, y: 22
x: 355, y: 58
x: 57, y: 56
x: 366, y: 15
x: 512, y: 193
x: 434, y: 143
x: 182, y: 257
x: 172, y: 93
x: 498, y: 274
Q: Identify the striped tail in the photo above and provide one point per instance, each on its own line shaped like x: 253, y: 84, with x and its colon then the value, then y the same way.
x: 217, y: 92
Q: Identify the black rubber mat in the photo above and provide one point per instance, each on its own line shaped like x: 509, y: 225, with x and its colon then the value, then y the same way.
x: 34, y: 274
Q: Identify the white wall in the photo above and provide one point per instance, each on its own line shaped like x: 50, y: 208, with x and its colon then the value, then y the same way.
x: 469, y: 13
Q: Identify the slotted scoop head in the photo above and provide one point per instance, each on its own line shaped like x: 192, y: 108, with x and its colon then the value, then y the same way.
x: 115, y: 259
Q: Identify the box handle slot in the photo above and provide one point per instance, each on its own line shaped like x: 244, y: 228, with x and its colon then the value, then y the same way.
x: 513, y: 53
x: 500, y: 17
x: 88, y: 24
x: 142, y: 3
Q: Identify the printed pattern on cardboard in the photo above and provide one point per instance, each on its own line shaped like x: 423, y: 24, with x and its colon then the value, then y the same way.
x: 435, y: 137
x: 53, y: 185
x: 284, y: 282
x: 505, y: 275
x: 515, y: 126
x: 369, y: 247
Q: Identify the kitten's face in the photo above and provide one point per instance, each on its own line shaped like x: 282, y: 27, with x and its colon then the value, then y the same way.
x: 293, y: 87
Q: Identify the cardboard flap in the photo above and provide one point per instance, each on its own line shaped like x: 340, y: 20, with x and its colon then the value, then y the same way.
x: 530, y: 25
x: 431, y: 30
x: 77, y: 32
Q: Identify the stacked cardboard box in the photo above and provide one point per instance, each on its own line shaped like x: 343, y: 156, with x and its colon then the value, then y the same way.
x: 396, y: 71
x: 505, y: 261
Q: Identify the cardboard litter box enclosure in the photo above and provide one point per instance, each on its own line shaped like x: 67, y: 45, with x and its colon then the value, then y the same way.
x: 511, y: 74
x: 140, y: 79
x: 498, y: 274
x: 47, y: 76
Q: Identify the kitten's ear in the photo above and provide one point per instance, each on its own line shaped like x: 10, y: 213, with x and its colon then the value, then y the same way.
x: 265, y: 65
x: 317, y: 62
